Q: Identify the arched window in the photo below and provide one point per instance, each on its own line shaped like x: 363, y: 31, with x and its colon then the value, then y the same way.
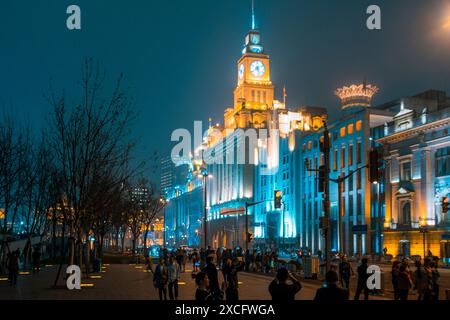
x: 406, y: 213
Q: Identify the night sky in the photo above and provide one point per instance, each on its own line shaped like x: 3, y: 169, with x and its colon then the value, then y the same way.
x: 179, y: 57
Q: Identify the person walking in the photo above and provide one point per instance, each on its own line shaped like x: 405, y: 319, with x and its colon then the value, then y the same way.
x: 160, y: 279
x: 12, y: 263
x: 394, y: 278
x: 331, y: 292
x: 404, y: 283
x: 231, y: 283
x: 173, y: 274
x: 345, y: 272
x: 422, y: 283
x: 362, y: 280
x: 281, y: 290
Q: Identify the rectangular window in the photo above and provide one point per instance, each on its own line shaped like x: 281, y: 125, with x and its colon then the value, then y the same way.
x: 342, y: 158
x: 358, y: 180
x: 405, y: 171
x: 443, y: 162
x: 309, y: 145
x: 335, y: 160
x: 342, y: 132
x: 350, y: 155
x: 350, y: 183
x: 358, y: 125
x: 264, y: 97
x: 358, y: 152
x: 350, y: 128
x: 359, y: 204
x: 350, y: 205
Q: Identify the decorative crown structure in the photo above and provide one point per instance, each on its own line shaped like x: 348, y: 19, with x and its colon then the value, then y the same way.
x: 356, y: 95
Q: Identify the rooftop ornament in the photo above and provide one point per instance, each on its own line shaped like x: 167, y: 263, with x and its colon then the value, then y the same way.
x: 356, y: 95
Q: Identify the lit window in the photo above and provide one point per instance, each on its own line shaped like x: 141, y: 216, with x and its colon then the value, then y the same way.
x: 309, y: 145
x: 342, y: 134
x: 350, y: 128
x: 350, y: 155
x: 342, y: 158
x: 358, y: 125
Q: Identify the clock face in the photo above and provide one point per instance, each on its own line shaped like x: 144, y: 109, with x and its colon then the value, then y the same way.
x: 257, y: 68
x: 255, y: 39
x: 241, y: 71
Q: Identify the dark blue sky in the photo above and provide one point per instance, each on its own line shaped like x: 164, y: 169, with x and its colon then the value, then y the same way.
x: 179, y: 56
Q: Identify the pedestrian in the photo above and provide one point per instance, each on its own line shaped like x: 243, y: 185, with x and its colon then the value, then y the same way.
x: 281, y: 290
x: 362, y: 280
x: 434, y: 281
x: 202, y: 293
x: 331, y: 292
x: 231, y: 283
x: 211, y: 272
x: 36, y: 257
x: 160, y: 279
x: 219, y: 257
x: 394, y: 278
x: 13, y: 267
x: 422, y: 283
x: 173, y: 273
x: 345, y: 272
x: 404, y: 283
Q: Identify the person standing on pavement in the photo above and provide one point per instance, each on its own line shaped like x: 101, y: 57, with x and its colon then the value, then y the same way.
x: 394, y: 276
x: 160, y: 279
x: 230, y: 277
x: 362, y: 280
x: 331, y: 292
x: 280, y: 290
x: 211, y: 272
x: 202, y: 293
x: 345, y: 272
x: 404, y: 283
x: 13, y: 266
x: 173, y: 274
x: 422, y: 283
x: 434, y: 280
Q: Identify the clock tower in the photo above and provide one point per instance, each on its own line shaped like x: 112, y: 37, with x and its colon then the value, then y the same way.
x: 254, y: 88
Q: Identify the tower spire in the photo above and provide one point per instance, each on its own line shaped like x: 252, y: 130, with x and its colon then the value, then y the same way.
x: 253, y: 15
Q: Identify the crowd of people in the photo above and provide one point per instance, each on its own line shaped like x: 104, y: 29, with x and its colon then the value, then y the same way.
x: 424, y: 279
x: 208, y: 264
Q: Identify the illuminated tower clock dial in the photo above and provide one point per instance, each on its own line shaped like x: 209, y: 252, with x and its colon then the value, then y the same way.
x: 241, y: 71
x: 257, y: 68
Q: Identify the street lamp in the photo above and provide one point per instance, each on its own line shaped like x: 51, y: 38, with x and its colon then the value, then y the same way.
x: 204, y: 174
x: 423, y: 230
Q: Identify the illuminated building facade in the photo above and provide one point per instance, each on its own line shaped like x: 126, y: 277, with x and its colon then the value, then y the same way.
x: 417, y: 153
x: 352, y: 137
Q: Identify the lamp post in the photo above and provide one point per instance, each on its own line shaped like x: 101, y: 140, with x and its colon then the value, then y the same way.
x: 423, y: 230
x: 204, y: 174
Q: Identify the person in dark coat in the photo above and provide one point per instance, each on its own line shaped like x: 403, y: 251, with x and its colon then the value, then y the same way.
x: 331, y: 292
x: 211, y: 272
x: 161, y: 279
x: 362, y: 280
x: 280, y: 290
x: 13, y: 266
x: 230, y: 271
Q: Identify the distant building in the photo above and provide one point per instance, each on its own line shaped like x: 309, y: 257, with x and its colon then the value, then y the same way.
x: 417, y: 153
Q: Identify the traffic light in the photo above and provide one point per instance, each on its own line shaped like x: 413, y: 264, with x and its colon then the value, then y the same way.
x: 445, y: 204
x: 374, y: 166
x: 277, y: 199
x: 249, y: 237
x: 321, y: 178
